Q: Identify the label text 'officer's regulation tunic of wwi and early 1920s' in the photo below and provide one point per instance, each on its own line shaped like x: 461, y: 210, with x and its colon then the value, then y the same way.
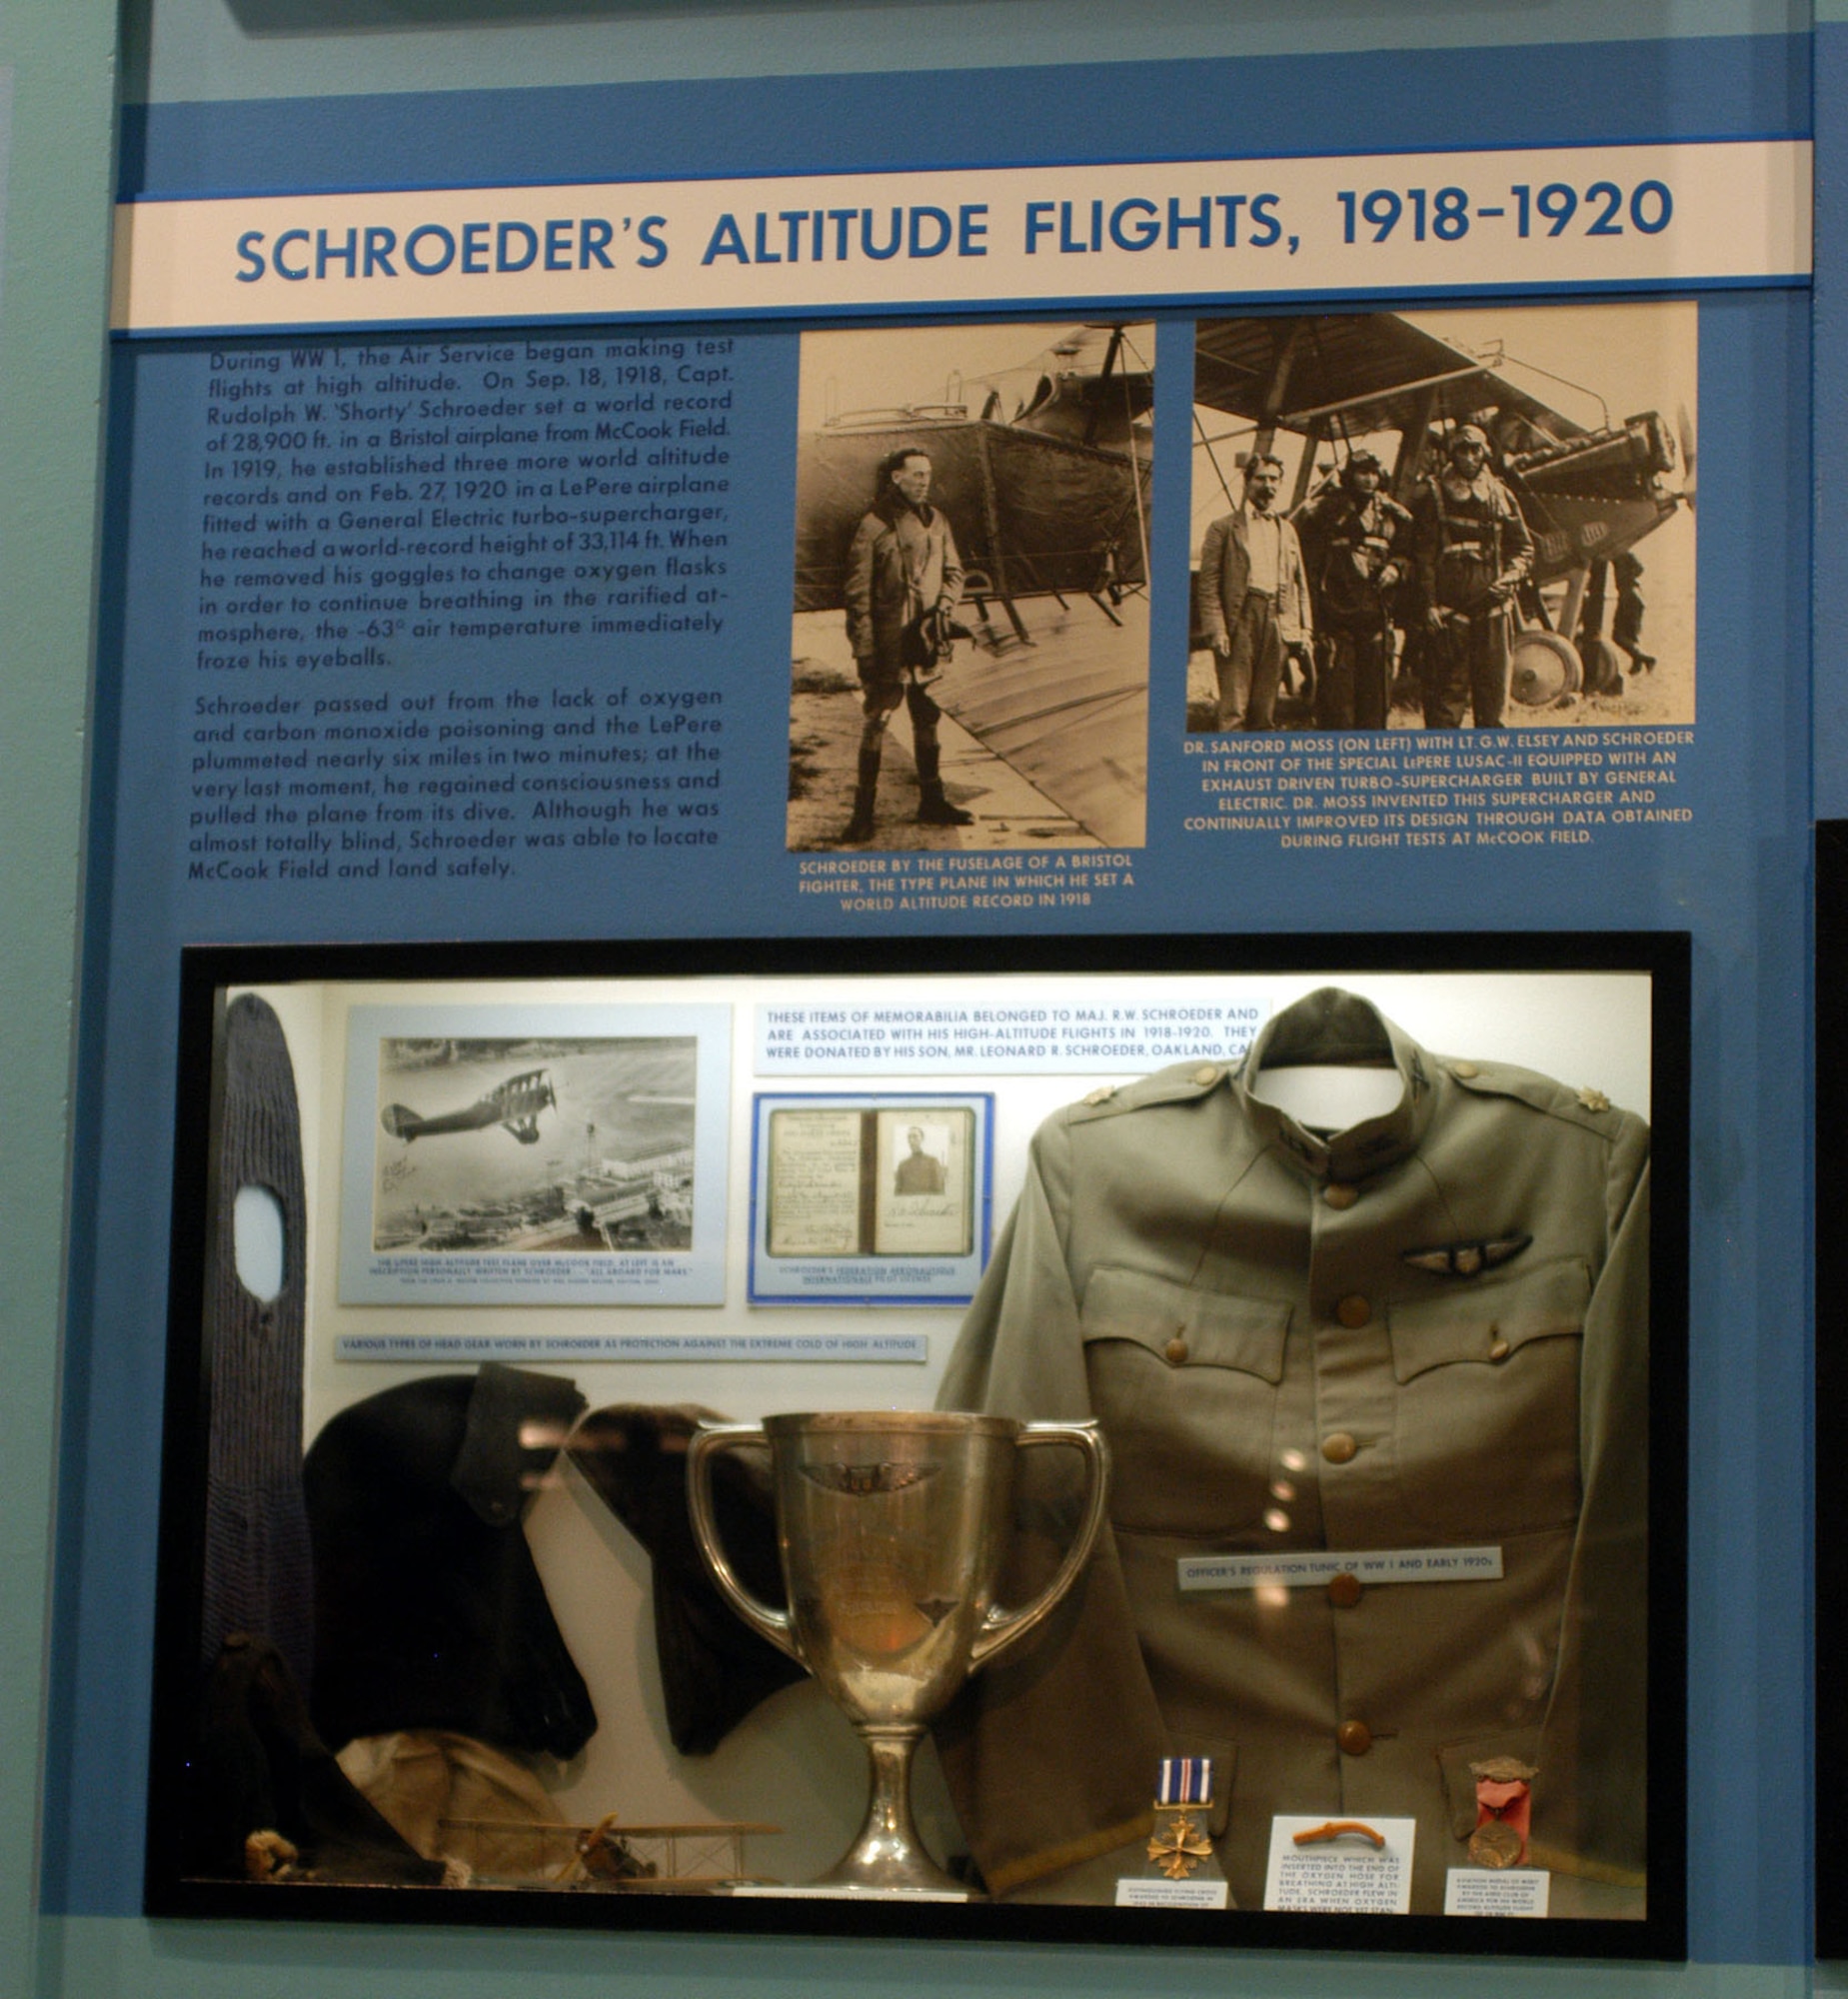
x: 1429, y: 1331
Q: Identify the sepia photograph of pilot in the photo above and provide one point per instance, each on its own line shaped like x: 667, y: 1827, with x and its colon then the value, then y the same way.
x: 539, y: 1146
x: 1476, y: 519
x: 971, y: 643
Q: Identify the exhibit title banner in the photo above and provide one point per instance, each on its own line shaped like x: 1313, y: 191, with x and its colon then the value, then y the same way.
x: 1711, y: 212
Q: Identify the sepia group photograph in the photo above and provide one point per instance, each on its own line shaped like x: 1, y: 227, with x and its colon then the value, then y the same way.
x: 1473, y: 519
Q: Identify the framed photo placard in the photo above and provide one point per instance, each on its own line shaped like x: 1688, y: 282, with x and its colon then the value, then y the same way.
x: 501, y: 1156
x: 881, y: 1199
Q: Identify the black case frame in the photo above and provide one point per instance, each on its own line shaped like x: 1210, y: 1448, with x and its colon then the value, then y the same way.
x: 206, y: 970
x: 1831, y: 1565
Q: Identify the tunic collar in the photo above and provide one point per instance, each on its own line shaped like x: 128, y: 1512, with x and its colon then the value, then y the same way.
x: 893, y: 507
x: 1330, y: 1027
x: 1482, y: 487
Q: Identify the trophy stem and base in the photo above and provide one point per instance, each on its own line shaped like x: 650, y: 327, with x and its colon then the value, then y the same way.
x: 888, y: 1856
x: 892, y: 1528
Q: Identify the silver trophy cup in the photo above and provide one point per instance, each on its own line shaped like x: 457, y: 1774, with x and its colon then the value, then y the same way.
x: 892, y: 1529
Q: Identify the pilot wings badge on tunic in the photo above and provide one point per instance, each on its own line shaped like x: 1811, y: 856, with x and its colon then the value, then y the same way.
x: 1467, y: 1259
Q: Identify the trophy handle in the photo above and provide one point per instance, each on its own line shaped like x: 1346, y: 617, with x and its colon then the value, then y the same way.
x: 707, y: 1441
x: 1001, y: 1627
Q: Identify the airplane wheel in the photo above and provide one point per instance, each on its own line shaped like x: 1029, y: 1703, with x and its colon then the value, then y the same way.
x: 1604, y: 666
x: 1543, y: 666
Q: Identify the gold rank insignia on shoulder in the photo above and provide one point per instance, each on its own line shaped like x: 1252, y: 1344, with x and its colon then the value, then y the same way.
x: 1467, y: 1259
x: 1593, y: 1100
x: 1103, y: 1094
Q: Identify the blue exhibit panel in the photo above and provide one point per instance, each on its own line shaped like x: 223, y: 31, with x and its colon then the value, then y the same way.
x: 502, y: 705
x: 1745, y: 775
x: 1610, y: 92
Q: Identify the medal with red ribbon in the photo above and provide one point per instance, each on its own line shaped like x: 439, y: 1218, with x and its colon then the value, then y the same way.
x: 1504, y: 1810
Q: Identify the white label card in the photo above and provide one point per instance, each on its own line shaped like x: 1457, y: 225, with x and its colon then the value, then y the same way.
x: 1700, y: 212
x: 1311, y: 1570
x: 1491, y: 1891
x: 1135, y: 1894
x: 1345, y: 1875
x: 910, y: 1347
x: 1119, y: 1026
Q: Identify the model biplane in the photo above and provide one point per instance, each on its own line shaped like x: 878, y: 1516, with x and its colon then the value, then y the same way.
x: 1589, y: 494
x: 1043, y: 472
x: 515, y: 1103
x: 695, y: 1858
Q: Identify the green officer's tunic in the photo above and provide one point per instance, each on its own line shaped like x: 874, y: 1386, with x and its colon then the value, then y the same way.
x: 1427, y: 1332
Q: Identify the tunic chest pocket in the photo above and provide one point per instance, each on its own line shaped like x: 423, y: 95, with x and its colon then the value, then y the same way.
x: 1184, y: 1382
x: 1486, y: 1412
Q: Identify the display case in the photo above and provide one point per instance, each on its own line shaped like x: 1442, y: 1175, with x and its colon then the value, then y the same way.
x: 1285, y: 1546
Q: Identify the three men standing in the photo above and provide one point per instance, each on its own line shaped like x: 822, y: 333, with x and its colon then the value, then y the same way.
x: 1465, y: 544
x: 903, y: 578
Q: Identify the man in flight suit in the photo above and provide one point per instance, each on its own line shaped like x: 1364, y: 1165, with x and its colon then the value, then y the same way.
x: 1357, y: 541
x: 1253, y: 600
x: 1428, y: 1331
x: 1474, y: 551
x: 903, y: 578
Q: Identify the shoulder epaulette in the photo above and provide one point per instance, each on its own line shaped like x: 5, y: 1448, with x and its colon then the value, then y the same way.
x: 1588, y: 1107
x: 1180, y: 1084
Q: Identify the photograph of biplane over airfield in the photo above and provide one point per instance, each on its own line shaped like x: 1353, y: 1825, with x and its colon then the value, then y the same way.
x: 543, y: 1144
x: 1493, y: 509
x: 970, y: 636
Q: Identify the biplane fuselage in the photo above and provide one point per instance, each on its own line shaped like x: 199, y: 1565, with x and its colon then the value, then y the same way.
x: 1050, y: 497
x: 1594, y: 497
x: 515, y: 1103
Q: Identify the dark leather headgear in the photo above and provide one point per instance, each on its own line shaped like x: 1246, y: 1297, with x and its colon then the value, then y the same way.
x: 429, y: 1611
x: 713, y: 1667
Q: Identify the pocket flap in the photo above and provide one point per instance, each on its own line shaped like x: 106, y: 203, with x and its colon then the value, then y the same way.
x: 1488, y: 1321
x: 1219, y: 1330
